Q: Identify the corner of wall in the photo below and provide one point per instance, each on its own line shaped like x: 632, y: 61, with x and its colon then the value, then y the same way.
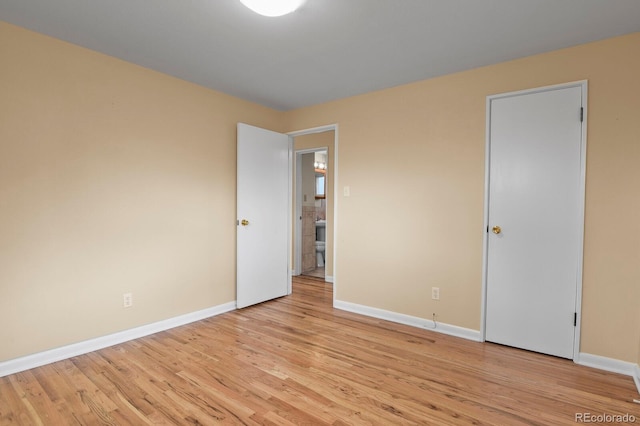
x: 606, y: 364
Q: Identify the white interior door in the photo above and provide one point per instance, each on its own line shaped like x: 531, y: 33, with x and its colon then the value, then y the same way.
x: 536, y: 198
x: 264, y: 215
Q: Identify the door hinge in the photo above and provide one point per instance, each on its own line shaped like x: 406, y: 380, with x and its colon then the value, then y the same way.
x: 581, y: 114
x: 575, y: 319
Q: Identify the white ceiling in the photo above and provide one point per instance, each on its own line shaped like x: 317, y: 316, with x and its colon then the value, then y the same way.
x: 328, y: 49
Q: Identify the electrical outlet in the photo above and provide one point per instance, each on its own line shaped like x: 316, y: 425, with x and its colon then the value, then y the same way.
x: 435, y: 293
x: 127, y: 300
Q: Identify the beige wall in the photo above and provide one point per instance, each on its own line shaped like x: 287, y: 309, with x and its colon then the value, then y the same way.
x: 113, y: 179
x: 425, y: 202
x: 323, y: 140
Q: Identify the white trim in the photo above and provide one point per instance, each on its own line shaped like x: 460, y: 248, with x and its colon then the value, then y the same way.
x: 583, y: 84
x: 319, y: 129
x: 297, y: 249
x: 606, y: 364
x: 47, y: 357
x: 582, y: 194
x: 335, y: 212
x: 289, y: 208
x: 636, y: 376
x: 312, y: 150
x: 485, y: 227
x: 451, y: 330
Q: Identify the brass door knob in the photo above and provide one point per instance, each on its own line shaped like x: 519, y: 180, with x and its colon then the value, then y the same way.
x: 496, y: 230
x: 244, y: 222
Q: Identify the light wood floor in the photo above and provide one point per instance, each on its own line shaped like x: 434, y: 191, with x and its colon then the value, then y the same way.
x: 296, y: 360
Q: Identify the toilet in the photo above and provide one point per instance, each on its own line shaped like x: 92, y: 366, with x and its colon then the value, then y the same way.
x: 321, y: 227
x: 320, y: 254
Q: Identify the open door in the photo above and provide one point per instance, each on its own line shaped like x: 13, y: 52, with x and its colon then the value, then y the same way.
x: 264, y: 215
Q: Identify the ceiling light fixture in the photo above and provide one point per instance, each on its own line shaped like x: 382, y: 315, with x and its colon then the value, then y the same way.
x: 272, y: 7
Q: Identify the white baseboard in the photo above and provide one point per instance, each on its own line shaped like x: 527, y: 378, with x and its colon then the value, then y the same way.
x: 65, y: 352
x: 47, y: 357
x: 612, y: 365
x: 451, y: 330
x: 588, y: 360
x: 606, y: 364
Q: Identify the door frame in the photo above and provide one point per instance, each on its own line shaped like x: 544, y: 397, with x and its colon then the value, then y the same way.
x: 582, y: 84
x: 321, y: 129
x: 297, y: 240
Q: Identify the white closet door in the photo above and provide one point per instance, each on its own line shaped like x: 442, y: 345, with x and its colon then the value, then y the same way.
x: 535, y: 196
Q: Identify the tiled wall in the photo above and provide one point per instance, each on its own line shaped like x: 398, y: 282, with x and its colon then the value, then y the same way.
x: 308, y: 238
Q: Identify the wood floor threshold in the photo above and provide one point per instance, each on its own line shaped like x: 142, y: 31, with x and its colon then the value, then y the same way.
x: 298, y: 361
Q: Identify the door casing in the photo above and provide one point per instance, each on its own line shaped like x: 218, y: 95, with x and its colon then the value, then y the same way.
x: 582, y: 182
x: 320, y: 129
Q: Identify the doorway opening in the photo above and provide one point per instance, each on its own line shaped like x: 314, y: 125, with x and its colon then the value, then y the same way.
x: 314, y: 202
x: 311, y: 167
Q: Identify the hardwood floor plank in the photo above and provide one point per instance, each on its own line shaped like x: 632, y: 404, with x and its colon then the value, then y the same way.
x: 28, y: 410
x: 297, y: 360
x: 43, y: 409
